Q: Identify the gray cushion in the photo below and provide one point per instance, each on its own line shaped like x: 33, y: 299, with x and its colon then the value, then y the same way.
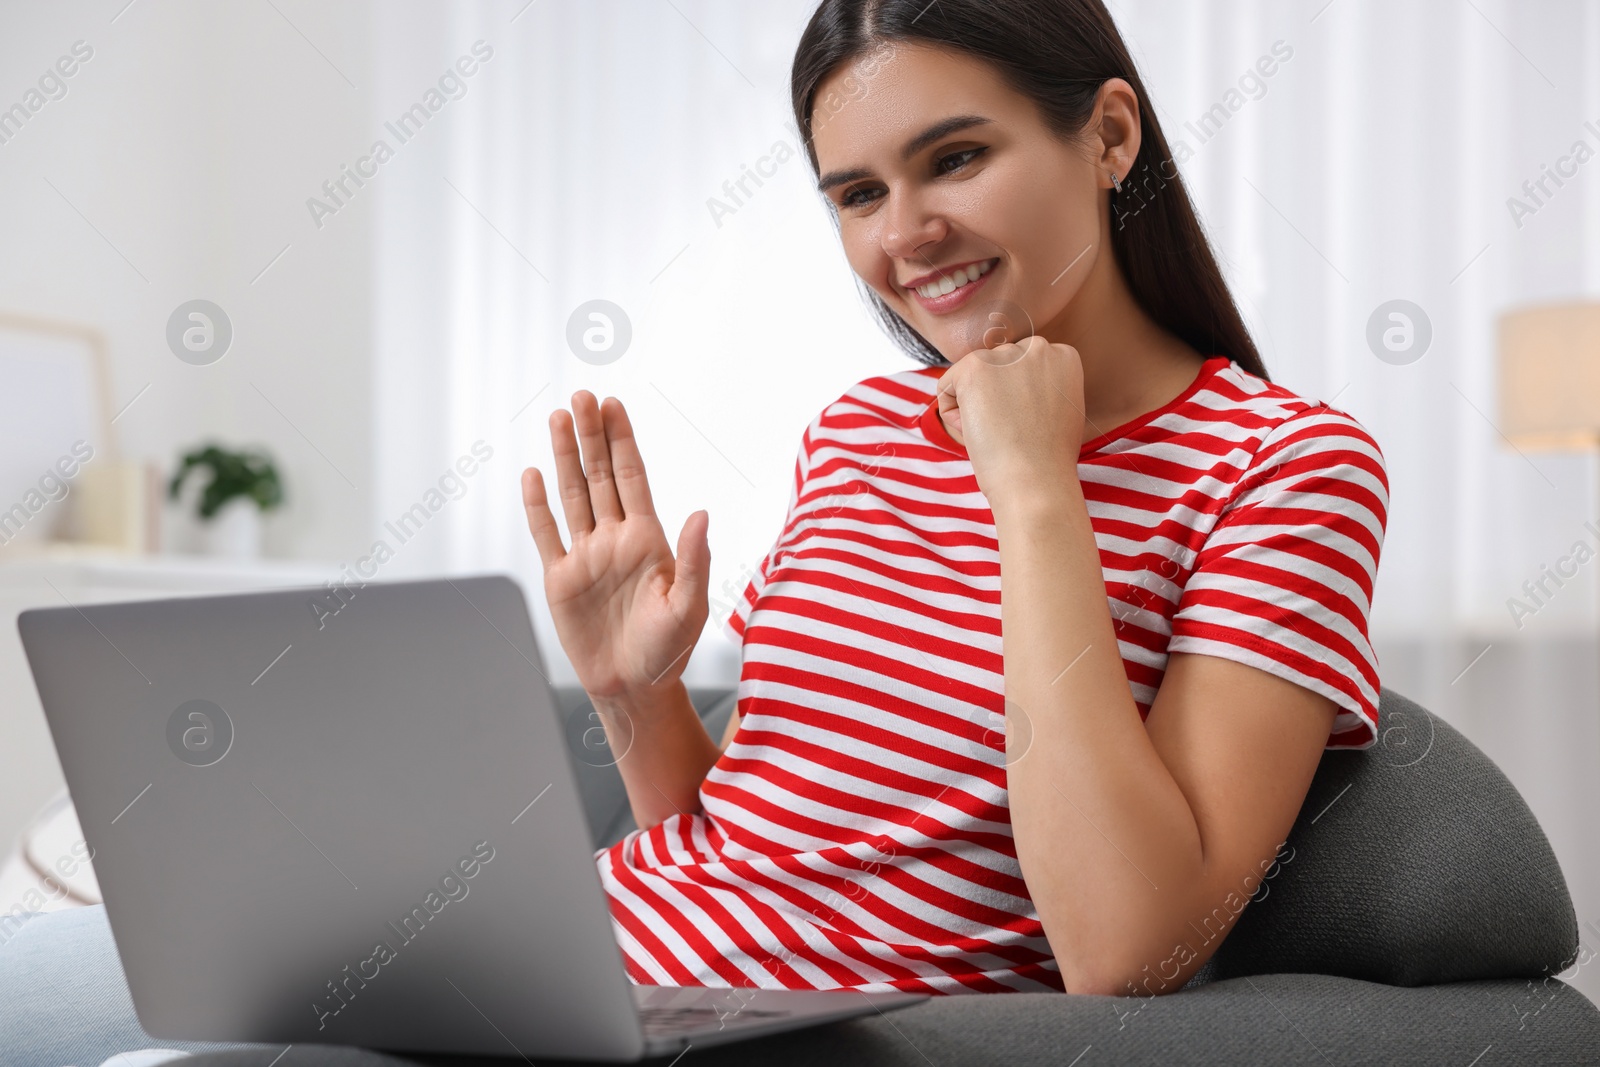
x: 66, y: 1002
x: 1310, y: 1020
x: 1415, y: 861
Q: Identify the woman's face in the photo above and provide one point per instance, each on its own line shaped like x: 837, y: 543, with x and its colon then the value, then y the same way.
x: 956, y: 203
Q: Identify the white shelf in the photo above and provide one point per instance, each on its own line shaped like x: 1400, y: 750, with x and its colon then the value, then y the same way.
x: 89, y: 567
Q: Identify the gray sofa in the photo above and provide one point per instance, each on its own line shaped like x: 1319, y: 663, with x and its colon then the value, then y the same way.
x: 1419, y: 919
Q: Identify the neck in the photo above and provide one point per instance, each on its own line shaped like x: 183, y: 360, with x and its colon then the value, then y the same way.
x: 1130, y: 364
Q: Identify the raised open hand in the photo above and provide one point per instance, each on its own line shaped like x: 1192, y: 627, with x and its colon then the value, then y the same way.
x: 627, y: 612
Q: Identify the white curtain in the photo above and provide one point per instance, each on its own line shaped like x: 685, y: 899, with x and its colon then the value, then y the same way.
x: 1374, y: 163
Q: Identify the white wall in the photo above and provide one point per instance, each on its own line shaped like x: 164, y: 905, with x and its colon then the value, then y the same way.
x: 190, y: 141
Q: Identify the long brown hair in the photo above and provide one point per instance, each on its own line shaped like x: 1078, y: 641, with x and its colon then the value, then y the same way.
x: 1058, y: 53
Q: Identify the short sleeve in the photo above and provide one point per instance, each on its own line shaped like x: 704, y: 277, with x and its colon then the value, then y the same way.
x: 743, y: 600
x: 1284, y: 580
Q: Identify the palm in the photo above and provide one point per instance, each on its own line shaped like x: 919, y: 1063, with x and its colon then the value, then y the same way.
x: 626, y: 610
x: 609, y: 598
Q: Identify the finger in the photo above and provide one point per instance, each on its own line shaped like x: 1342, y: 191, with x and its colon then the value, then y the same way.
x: 633, y: 488
x: 541, y: 523
x: 570, y: 482
x: 691, y: 578
x: 596, y: 458
x: 949, y: 406
x: 946, y: 393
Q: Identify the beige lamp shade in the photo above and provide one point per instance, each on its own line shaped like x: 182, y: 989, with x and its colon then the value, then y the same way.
x: 1550, y: 375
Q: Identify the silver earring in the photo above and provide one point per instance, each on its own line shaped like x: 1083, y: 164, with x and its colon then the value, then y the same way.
x: 1116, y: 182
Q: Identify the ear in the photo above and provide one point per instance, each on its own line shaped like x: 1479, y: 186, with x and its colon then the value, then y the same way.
x: 1114, y: 130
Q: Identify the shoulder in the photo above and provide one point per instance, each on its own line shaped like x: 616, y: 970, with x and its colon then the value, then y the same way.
x: 1303, y: 458
x: 1277, y: 425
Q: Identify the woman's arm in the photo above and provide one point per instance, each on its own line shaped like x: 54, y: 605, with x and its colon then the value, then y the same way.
x: 663, y: 748
x: 1139, y: 841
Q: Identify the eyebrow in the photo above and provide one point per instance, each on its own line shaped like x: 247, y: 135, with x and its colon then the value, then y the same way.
x: 942, y: 128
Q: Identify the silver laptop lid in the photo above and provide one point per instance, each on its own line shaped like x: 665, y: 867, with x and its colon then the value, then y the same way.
x: 352, y: 826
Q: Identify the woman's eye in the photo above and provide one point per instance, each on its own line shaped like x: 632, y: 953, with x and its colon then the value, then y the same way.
x: 961, y: 159
x: 854, y: 198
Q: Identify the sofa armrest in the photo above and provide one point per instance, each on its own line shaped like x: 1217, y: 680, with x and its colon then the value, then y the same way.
x: 1413, y: 862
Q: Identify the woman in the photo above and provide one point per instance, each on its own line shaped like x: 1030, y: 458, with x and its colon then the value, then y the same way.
x: 1179, y: 553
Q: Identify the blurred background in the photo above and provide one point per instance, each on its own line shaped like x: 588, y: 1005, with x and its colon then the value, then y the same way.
x: 341, y: 261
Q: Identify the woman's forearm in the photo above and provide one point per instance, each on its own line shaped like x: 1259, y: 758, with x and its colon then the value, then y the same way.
x: 662, y: 750
x: 1107, y: 842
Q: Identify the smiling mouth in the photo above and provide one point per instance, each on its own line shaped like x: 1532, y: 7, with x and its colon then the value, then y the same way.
x: 956, y: 279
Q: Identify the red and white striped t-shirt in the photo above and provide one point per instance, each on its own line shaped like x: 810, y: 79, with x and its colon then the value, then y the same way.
x: 856, y: 832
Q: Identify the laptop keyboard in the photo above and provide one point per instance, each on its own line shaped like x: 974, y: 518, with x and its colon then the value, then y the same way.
x: 673, y: 1021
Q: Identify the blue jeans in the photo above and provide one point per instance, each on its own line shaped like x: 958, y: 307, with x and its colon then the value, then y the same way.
x: 65, y: 998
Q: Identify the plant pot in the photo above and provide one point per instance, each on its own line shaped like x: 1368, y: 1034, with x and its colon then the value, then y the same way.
x: 234, y: 532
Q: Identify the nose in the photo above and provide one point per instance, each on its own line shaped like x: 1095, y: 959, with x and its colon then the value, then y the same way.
x: 910, y: 226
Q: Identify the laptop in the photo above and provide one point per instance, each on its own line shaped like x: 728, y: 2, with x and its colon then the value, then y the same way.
x: 349, y: 816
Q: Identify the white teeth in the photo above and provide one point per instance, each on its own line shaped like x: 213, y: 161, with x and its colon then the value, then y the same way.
x: 955, y: 279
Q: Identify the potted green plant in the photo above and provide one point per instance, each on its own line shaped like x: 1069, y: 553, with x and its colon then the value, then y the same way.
x: 243, y: 484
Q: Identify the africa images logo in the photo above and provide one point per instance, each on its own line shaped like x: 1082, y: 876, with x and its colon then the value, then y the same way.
x: 199, y: 733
